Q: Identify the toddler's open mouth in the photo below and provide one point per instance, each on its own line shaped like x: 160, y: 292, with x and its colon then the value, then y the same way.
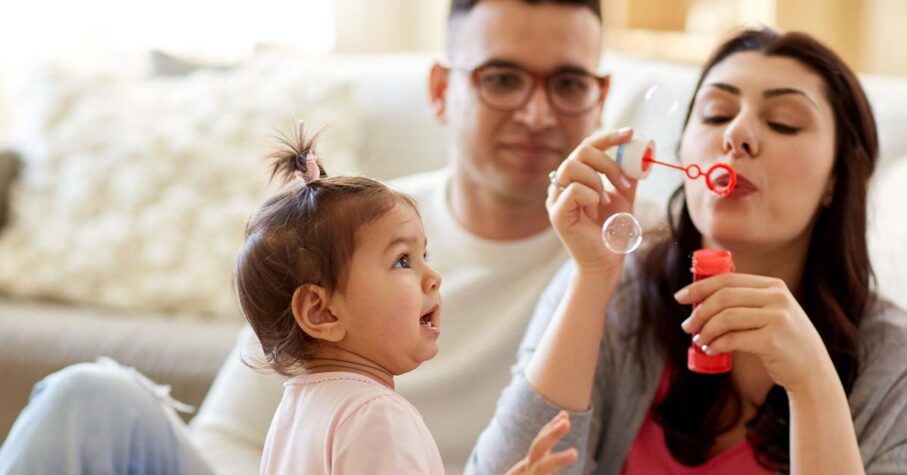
x: 430, y: 319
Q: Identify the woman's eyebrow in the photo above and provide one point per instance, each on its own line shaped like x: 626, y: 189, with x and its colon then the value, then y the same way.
x: 768, y: 93
x: 725, y: 87
x: 781, y: 91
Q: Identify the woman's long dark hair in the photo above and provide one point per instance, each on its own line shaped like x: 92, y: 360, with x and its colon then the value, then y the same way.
x: 835, y: 290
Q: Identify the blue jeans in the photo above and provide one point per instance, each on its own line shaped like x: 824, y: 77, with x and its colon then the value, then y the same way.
x: 99, y: 418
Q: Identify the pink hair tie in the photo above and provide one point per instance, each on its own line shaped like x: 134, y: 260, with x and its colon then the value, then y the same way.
x: 311, y: 173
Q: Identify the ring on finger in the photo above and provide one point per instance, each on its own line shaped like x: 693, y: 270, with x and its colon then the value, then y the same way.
x: 552, y: 177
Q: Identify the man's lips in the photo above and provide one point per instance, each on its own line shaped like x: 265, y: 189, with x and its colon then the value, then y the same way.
x: 532, y: 147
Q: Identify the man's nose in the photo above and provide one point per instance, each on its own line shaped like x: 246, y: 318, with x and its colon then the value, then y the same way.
x: 537, y: 112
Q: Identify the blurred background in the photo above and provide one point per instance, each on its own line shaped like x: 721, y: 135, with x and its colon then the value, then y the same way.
x: 131, y: 137
x: 208, y: 32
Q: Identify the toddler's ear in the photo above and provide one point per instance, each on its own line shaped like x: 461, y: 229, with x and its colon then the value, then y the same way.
x: 310, y: 309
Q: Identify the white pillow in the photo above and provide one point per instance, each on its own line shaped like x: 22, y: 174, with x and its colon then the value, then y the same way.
x: 136, y: 191
x: 887, y: 236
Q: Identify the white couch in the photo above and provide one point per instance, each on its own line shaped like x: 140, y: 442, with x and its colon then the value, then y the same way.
x: 380, y: 124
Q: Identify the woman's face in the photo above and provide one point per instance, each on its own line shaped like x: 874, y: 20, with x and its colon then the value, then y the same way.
x: 768, y: 117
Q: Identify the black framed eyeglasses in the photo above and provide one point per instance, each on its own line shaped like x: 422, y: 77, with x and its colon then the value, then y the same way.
x: 508, y: 87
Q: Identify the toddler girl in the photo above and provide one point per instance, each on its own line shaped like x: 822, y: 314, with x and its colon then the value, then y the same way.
x: 334, y: 280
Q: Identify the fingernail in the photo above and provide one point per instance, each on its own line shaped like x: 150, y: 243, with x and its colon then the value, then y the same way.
x: 704, y: 348
x: 605, y: 198
x: 625, y: 182
x: 681, y: 295
x: 686, y: 324
x: 696, y: 338
x: 624, y: 130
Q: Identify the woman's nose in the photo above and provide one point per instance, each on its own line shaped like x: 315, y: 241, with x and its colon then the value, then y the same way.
x: 740, y: 139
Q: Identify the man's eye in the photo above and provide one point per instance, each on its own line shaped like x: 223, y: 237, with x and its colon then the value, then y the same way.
x: 402, y: 262
x: 570, y: 85
x: 502, y: 80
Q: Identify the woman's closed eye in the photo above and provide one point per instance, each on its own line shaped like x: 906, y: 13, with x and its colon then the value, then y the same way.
x: 783, y: 128
x: 779, y: 127
x: 715, y: 119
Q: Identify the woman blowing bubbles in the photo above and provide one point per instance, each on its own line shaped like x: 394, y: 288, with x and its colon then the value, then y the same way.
x: 819, y: 378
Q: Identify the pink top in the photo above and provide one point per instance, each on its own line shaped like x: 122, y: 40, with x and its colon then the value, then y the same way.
x: 649, y: 453
x: 345, y: 423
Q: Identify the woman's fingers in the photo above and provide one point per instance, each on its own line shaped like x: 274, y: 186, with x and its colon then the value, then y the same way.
x: 748, y: 341
x: 605, y: 139
x: 579, y: 167
x: 589, y: 160
x: 723, y: 299
x: 699, y: 291
x: 731, y: 320
x: 566, y: 206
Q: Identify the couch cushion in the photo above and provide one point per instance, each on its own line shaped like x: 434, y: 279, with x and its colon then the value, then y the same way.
x: 888, y: 229
x: 37, y: 339
x: 136, y: 191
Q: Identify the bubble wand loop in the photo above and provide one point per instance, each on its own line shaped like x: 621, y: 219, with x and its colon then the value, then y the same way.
x: 694, y: 171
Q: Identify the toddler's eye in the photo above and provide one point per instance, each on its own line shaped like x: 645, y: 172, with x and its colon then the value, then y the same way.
x: 402, y: 262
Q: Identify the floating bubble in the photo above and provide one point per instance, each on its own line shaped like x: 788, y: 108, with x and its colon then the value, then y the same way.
x: 622, y: 233
x: 660, y: 100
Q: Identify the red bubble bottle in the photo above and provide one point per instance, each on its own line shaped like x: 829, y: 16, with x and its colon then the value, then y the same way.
x: 707, y: 263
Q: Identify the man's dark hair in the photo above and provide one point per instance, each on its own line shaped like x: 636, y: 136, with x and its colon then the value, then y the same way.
x: 462, y: 7
x: 459, y: 9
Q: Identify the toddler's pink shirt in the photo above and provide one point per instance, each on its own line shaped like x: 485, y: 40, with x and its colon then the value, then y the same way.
x: 346, y: 423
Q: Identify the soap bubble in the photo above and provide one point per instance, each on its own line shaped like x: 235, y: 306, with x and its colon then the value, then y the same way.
x: 660, y: 100
x: 622, y: 233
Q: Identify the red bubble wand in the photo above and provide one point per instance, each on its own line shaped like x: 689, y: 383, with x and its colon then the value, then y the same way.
x: 694, y: 171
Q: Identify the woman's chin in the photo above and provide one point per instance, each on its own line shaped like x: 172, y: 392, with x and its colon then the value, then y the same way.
x: 729, y: 235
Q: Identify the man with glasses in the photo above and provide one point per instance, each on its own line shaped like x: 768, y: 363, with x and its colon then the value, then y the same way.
x: 518, y: 91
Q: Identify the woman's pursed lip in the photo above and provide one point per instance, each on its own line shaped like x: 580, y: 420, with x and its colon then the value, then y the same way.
x: 742, y: 183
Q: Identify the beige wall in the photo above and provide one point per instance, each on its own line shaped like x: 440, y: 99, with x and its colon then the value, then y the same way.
x: 372, y: 26
x: 884, y: 46
x: 867, y: 33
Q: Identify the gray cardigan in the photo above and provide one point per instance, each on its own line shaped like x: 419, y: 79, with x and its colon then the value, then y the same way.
x: 623, y: 391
